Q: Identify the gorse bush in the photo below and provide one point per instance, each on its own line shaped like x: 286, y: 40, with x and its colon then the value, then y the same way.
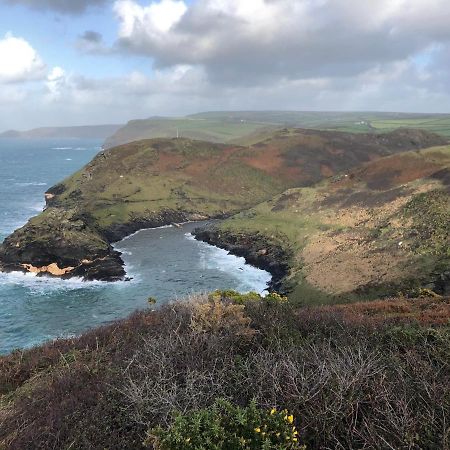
x: 243, y: 299
x: 224, y: 426
x: 214, y: 315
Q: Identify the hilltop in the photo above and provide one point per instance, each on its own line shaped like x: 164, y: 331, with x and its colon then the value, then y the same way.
x: 376, y: 230
x: 248, y: 127
x: 81, y: 132
x: 157, y: 182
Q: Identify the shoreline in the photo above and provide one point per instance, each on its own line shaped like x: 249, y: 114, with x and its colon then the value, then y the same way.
x: 271, y: 267
x: 256, y: 251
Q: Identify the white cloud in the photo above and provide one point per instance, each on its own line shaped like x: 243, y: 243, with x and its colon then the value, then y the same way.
x: 246, y: 41
x: 56, y: 82
x: 19, y: 61
x: 157, y: 18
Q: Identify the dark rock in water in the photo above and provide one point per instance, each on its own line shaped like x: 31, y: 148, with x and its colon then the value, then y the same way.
x: 109, y: 268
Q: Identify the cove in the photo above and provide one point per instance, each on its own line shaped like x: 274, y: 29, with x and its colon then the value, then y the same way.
x: 165, y: 263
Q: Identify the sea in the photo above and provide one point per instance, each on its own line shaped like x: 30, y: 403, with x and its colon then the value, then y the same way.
x: 164, y: 263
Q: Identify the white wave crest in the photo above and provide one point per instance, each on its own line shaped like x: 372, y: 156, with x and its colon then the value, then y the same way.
x: 42, y: 284
x: 31, y: 183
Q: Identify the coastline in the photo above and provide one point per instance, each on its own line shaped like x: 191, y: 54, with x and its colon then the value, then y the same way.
x: 254, y: 249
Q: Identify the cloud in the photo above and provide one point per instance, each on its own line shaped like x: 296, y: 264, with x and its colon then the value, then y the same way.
x: 391, y: 55
x: 264, y: 40
x: 19, y: 61
x: 56, y: 82
x: 91, y: 36
x: 61, y: 6
x: 92, y: 42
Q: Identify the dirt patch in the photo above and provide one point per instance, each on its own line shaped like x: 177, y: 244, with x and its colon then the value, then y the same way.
x: 400, y: 169
x: 344, y: 262
x: 271, y: 161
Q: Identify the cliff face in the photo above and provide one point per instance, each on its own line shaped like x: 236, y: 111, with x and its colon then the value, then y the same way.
x: 156, y: 182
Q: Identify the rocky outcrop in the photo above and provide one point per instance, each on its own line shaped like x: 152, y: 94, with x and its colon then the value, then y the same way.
x: 65, y: 243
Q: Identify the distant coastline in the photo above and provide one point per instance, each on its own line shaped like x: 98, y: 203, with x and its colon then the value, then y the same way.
x: 76, y: 132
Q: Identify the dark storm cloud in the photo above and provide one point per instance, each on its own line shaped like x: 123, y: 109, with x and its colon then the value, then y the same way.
x: 91, y: 36
x: 61, y: 6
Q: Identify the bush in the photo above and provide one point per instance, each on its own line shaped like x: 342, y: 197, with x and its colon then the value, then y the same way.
x: 224, y: 426
x: 243, y: 299
x: 217, y: 316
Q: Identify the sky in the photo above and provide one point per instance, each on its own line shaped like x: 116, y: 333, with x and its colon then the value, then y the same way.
x: 86, y: 62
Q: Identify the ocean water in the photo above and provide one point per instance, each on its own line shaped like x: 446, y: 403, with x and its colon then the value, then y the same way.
x: 165, y: 263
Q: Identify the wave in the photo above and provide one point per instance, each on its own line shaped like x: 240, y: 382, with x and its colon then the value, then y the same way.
x: 38, y: 207
x: 31, y: 183
x: 68, y: 159
x: 42, y: 284
x: 249, y: 277
x: 62, y: 148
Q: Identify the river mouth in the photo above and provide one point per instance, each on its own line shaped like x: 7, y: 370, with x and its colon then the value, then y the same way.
x: 165, y: 263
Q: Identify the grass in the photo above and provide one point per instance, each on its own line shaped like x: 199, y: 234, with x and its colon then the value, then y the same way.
x: 192, y: 128
x: 440, y: 124
x: 249, y: 127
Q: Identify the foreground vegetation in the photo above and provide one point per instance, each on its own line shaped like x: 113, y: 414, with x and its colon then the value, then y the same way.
x: 375, y: 375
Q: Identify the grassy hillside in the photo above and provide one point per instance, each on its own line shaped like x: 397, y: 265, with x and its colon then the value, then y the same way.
x: 248, y: 127
x: 373, y: 376
x: 206, y: 129
x: 376, y: 230
x: 155, y: 182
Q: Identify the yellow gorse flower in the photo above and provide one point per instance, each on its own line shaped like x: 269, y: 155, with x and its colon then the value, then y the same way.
x: 273, y: 411
x: 258, y: 430
x: 290, y: 418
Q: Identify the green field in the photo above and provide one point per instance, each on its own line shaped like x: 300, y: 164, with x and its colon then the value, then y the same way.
x: 249, y: 127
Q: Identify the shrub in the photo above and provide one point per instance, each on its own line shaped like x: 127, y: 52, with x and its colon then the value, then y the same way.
x: 224, y: 426
x: 235, y: 297
x: 242, y: 299
x: 217, y: 316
